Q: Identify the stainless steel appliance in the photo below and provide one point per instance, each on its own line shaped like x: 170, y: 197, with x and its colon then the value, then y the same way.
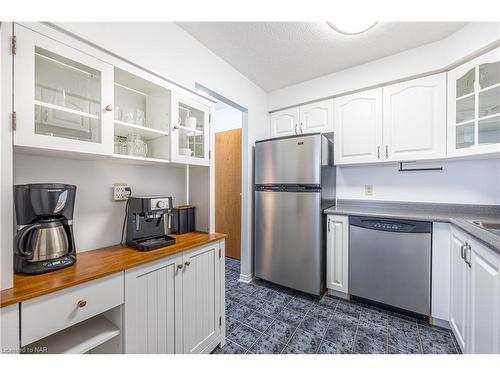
x: 294, y: 182
x: 390, y: 262
x: 146, y: 223
x: 44, y: 239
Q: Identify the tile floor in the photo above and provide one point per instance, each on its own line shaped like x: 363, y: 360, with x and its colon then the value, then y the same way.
x: 265, y: 318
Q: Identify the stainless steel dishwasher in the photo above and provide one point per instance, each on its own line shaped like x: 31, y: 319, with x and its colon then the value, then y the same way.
x: 390, y: 262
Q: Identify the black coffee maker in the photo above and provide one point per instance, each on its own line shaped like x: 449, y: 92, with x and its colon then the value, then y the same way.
x: 44, y: 240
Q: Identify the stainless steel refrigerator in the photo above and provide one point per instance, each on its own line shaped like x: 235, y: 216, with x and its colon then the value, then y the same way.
x: 294, y: 182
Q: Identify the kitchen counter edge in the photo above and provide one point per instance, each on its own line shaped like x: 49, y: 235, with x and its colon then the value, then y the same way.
x: 96, y: 264
x: 457, y: 218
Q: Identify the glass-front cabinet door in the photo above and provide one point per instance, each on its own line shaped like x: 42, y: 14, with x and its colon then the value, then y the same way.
x: 190, y: 131
x: 63, y: 98
x: 474, y: 106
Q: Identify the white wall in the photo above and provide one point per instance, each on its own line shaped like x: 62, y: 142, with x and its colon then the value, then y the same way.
x: 6, y: 212
x: 168, y: 50
x: 227, y: 118
x: 467, y: 182
x: 427, y: 58
x: 98, y: 219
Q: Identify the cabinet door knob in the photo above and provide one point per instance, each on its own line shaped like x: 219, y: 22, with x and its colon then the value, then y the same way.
x: 109, y: 108
x: 179, y: 266
x: 82, y: 303
x: 187, y: 263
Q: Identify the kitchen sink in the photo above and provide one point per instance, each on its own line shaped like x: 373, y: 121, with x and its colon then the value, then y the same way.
x: 489, y: 226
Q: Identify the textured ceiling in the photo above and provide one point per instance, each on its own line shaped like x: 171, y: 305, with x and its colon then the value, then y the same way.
x: 279, y: 54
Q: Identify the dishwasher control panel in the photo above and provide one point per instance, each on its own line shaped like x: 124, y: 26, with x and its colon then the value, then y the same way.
x: 402, y: 226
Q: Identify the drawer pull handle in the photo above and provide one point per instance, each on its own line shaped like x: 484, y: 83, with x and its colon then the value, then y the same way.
x: 82, y: 303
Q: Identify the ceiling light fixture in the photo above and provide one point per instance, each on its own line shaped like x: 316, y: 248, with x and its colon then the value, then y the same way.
x: 351, y: 27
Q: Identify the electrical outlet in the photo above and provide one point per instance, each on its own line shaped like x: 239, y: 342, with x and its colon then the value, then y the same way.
x: 368, y: 189
x: 119, y: 191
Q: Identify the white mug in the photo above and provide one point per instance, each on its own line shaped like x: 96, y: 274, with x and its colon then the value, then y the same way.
x: 190, y: 122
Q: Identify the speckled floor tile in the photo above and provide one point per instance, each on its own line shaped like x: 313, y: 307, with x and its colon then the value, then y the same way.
x: 305, y: 341
x: 267, y: 345
x: 314, y: 325
x: 244, y: 336
x: 258, y: 321
x: 342, y: 347
x: 300, y: 305
x: 320, y: 312
x: 230, y: 348
x: 365, y: 345
x: 280, y: 331
x: 262, y: 317
x: 291, y: 317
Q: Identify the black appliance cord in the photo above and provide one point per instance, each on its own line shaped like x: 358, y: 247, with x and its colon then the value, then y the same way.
x: 126, y: 215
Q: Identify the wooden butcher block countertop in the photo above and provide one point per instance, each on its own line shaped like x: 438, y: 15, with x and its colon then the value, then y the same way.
x: 94, y: 264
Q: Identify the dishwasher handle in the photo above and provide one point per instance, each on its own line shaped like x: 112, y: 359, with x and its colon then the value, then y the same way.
x: 391, y: 225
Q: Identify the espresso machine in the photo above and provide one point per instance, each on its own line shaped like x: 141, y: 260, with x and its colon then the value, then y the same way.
x: 146, y: 224
x: 44, y: 240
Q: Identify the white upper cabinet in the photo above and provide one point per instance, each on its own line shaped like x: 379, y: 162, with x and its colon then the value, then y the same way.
x: 358, y: 127
x: 284, y: 123
x: 63, y: 97
x: 474, y: 106
x: 190, y: 131
x: 316, y: 117
x: 415, y: 119
x: 308, y: 118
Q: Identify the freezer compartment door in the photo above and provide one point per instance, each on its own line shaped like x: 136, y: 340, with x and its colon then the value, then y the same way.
x: 288, y: 249
x: 293, y: 160
x: 391, y: 268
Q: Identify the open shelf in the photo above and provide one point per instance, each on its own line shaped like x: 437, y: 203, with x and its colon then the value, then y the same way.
x: 77, y: 339
x: 124, y: 128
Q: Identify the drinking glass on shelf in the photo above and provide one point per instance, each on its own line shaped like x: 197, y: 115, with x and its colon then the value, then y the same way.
x: 139, y: 117
x: 118, y: 113
x: 136, y: 146
x: 129, y: 117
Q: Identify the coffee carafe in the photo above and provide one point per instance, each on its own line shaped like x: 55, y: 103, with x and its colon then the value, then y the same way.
x: 44, y: 240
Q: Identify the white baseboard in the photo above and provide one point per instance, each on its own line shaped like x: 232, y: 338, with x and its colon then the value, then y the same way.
x: 335, y: 293
x: 246, y: 278
x: 441, y: 323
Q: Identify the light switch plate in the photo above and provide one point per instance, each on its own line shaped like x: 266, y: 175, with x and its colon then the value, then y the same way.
x: 368, y: 189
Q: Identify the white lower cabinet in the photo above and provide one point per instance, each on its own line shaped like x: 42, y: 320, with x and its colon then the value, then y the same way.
x: 175, y: 305
x: 458, y: 288
x: 337, y: 250
x: 475, y: 295
x: 153, y: 308
x: 484, y: 297
x: 9, y: 329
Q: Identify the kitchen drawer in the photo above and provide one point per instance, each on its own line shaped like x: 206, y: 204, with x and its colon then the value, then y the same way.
x: 43, y: 316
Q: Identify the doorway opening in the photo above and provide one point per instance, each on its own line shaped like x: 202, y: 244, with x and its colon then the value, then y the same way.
x: 229, y: 136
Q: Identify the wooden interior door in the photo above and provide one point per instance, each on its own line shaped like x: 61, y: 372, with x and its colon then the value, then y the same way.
x: 228, y: 189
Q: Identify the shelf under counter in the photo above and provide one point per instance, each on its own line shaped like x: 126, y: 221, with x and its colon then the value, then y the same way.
x: 95, y: 264
x: 77, y: 339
